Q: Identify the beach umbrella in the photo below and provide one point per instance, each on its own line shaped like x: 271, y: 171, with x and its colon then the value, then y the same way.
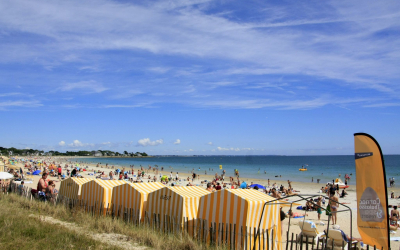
x: 257, y: 185
x: 5, y: 175
x: 243, y: 185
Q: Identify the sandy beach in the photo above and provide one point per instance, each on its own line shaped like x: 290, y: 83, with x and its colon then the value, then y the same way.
x: 311, y: 188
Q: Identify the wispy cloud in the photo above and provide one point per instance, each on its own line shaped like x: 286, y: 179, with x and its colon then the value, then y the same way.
x: 199, y: 52
x: 84, y: 86
x: 26, y: 104
x: 177, y: 142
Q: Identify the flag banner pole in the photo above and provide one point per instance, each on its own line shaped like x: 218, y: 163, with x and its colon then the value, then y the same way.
x: 372, y: 197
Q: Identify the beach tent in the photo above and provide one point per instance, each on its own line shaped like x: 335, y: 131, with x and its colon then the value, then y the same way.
x: 258, y: 186
x: 37, y: 172
x: 1, y: 166
x: 133, y: 196
x: 243, y: 208
x: 98, y: 193
x: 71, y: 187
x: 175, y: 202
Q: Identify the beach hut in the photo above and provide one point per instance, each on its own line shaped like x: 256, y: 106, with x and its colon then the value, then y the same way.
x: 71, y: 187
x: 238, y: 213
x: 97, y: 194
x: 178, y: 204
x: 133, y: 196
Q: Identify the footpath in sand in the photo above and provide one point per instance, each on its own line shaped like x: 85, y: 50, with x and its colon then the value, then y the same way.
x: 117, y: 240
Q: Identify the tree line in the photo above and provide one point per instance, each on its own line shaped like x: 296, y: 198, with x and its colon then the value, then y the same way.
x: 33, y: 152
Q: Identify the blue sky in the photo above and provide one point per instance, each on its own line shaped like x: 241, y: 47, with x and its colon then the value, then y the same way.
x: 199, y: 77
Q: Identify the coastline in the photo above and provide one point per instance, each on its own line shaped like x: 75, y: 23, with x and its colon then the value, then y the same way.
x: 304, y: 188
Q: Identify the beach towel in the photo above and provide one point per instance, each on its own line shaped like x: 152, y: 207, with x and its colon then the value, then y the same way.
x: 395, y: 238
x: 298, y: 217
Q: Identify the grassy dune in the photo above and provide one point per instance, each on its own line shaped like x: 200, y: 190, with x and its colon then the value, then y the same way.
x: 25, y: 225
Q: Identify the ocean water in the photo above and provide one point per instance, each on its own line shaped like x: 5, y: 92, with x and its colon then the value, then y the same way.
x: 324, y: 168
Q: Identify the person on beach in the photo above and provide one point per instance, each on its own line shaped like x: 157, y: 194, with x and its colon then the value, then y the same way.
x: 319, y: 209
x: 42, y: 184
x: 394, y: 214
x: 111, y: 175
x: 334, y: 204
x: 209, y: 187
x: 283, y: 216
x: 275, y: 194
x: 59, y: 171
x: 309, y: 205
x: 21, y: 188
x: 50, y: 191
x: 294, y: 215
x: 73, y: 172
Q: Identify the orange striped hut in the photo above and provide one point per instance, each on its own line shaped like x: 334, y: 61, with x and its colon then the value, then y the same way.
x: 243, y: 208
x: 175, y: 202
x: 133, y: 196
x: 98, y: 193
x: 71, y: 187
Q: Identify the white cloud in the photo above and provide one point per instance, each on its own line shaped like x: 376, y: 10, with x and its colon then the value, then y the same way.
x: 76, y: 143
x: 85, y: 86
x: 190, y: 150
x: 210, y: 143
x: 61, y: 143
x: 177, y: 142
x: 146, y: 142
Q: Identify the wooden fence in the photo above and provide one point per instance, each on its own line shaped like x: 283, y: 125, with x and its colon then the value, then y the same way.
x: 210, y: 234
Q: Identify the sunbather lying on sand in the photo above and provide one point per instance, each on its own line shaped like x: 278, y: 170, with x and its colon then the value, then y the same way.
x: 293, y: 215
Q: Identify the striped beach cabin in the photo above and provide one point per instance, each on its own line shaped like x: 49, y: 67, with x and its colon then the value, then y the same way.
x: 242, y: 207
x: 176, y: 203
x: 71, y: 187
x: 133, y: 196
x: 97, y: 193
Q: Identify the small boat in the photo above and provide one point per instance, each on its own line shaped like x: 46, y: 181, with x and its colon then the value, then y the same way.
x: 302, y: 169
x: 340, y: 183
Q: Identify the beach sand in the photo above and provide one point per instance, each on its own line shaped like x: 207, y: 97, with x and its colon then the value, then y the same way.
x: 305, y: 189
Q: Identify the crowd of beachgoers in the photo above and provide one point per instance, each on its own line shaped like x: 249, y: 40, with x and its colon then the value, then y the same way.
x: 327, y: 197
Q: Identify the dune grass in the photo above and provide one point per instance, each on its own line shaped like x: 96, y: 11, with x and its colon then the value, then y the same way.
x: 21, y: 230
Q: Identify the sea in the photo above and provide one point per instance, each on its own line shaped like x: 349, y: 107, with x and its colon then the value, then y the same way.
x: 324, y: 168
